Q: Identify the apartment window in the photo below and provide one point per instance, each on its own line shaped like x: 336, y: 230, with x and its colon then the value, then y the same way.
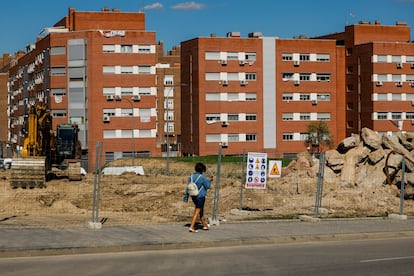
x: 348, y: 52
x: 233, y: 76
x: 251, y: 76
x: 127, y: 70
x: 233, y: 137
x: 287, y: 117
x: 396, y: 116
x: 251, y: 117
x: 58, y: 91
x: 213, y: 138
x: 323, y: 77
x: 126, y: 48
x: 170, y: 116
x: 76, y: 73
x: 233, y: 117
x: 108, y: 69
x: 409, y: 97
x: 304, y: 97
x: 212, y: 117
x: 144, y: 49
x: 58, y: 50
x: 287, y: 76
x: 304, y: 57
x: 323, y: 116
x: 382, y: 97
x: 350, y: 106
x: 323, y: 97
x: 304, y: 117
x: 212, y: 55
x: 127, y: 91
x: 250, y: 56
x: 409, y: 115
x: 126, y: 112
x: 232, y: 56
x: 213, y: 77
x: 349, y: 87
x: 144, y: 91
x: 396, y: 97
x: 109, y: 112
x: 396, y: 59
x: 381, y: 58
x: 108, y: 134
x: 145, y: 115
x: 108, y: 48
x: 169, y: 80
x: 287, y: 57
x: 251, y: 137
x: 382, y: 77
x: 287, y: 97
x: 212, y: 96
x: 145, y: 133
x: 409, y: 58
x: 58, y: 71
x: 232, y: 97
x: 409, y: 77
x: 144, y: 69
x: 58, y: 113
x: 251, y: 97
x: 350, y: 124
x: 349, y: 70
x: 108, y: 91
x: 323, y: 57
x: 304, y: 76
x: 382, y: 115
x: 287, y: 136
x: 304, y: 136
x: 396, y: 78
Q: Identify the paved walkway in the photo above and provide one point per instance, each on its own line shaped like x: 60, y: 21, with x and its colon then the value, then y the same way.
x: 16, y: 241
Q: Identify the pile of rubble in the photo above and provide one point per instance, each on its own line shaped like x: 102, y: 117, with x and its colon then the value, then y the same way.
x: 372, y: 160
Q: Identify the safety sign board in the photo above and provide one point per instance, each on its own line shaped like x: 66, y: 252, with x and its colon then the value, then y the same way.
x: 275, y: 168
x: 256, y: 170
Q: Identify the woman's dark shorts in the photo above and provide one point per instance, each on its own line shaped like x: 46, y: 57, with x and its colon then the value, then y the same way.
x: 199, y: 201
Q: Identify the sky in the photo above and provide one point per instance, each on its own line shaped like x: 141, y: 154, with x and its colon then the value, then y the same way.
x: 179, y: 20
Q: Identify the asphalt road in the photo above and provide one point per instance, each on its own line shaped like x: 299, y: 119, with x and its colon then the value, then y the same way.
x: 394, y: 256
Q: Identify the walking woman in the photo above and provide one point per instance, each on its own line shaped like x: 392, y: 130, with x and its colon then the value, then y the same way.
x: 203, y: 184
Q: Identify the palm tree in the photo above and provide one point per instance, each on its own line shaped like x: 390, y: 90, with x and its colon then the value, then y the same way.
x: 319, y: 137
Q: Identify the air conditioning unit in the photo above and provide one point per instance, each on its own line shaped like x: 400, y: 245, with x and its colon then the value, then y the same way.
x: 110, y: 97
x: 243, y: 82
x: 314, y: 102
x: 296, y: 63
x: 296, y: 82
x: 379, y: 83
x: 118, y: 98
x: 223, y: 62
x: 136, y: 98
x: 399, y: 83
x: 412, y: 65
x: 412, y: 122
x: 399, y: 65
x: 412, y: 102
x: 225, y: 82
x: 106, y: 119
x: 224, y: 144
x: 412, y: 84
x: 224, y: 123
x: 242, y: 62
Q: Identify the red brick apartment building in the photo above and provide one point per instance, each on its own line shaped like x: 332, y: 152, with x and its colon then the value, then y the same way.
x: 379, y: 70
x: 96, y: 69
x: 259, y: 93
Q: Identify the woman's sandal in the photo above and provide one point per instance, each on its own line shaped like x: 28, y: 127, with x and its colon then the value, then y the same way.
x: 205, y: 228
x: 192, y: 230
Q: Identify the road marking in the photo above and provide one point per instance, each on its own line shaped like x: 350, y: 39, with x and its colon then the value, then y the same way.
x: 387, y: 259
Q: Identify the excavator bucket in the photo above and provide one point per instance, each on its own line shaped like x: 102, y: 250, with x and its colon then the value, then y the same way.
x: 28, y: 172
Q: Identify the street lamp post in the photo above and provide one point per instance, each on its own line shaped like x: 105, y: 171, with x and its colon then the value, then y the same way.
x: 132, y: 135
x: 168, y: 129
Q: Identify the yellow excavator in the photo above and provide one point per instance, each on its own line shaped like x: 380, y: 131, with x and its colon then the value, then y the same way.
x: 46, y: 153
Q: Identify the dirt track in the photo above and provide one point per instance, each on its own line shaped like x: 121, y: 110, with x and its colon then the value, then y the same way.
x: 157, y: 198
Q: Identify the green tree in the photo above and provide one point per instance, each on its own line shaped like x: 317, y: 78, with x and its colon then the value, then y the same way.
x: 319, y: 137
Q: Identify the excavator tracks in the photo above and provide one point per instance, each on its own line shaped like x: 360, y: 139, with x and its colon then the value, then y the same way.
x: 28, y: 172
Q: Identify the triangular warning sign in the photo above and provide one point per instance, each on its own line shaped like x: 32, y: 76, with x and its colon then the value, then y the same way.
x: 275, y: 170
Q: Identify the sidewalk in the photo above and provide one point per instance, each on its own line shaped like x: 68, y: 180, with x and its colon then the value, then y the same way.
x: 16, y: 241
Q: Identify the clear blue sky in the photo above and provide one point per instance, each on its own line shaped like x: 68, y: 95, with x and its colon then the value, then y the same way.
x: 175, y: 21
